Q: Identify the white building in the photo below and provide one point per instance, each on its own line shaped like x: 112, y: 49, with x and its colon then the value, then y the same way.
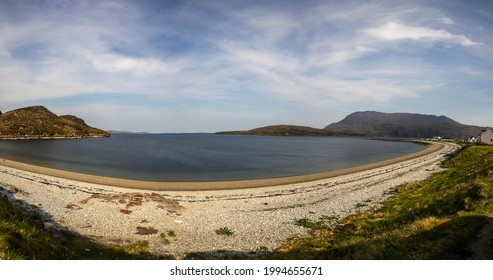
x: 486, y: 136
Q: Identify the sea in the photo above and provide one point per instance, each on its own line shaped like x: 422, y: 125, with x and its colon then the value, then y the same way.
x: 203, y: 157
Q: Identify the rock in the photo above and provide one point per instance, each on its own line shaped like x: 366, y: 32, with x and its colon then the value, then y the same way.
x: 145, y: 231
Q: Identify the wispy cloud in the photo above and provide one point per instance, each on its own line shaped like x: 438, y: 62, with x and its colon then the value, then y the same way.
x: 198, y: 55
x: 392, y: 31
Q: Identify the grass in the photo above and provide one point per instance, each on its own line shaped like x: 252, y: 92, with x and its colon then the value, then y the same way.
x: 433, y: 219
x: 22, y: 237
x: 164, y: 239
x: 224, y: 231
x: 323, y: 222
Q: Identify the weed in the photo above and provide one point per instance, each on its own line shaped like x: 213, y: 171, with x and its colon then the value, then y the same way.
x: 224, y: 231
x: 164, y: 240
x: 323, y: 222
x: 171, y: 233
x: 306, y: 223
x: 360, y: 205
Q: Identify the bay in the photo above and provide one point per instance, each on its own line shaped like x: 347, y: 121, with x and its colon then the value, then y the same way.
x: 203, y: 157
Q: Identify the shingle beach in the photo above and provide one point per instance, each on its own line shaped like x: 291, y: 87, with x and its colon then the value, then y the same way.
x: 261, y: 218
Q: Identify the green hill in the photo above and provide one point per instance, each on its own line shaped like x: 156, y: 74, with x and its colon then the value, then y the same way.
x: 37, y: 122
x: 284, y: 130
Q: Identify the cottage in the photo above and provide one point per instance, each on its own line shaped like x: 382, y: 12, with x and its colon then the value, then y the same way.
x: 486, y: 137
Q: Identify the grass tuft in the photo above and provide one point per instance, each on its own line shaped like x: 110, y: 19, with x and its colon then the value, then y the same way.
x: 224, y: 231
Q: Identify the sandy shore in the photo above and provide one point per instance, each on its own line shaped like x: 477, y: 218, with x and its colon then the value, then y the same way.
x: 261, y: 218
x: 222, y: 185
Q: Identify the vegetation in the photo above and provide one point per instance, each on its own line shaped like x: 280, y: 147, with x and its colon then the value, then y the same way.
x: 324, y: 222
x: 164, y: 239
x: 224, y: 231
x: 433, y: 219
x: 24, y: 237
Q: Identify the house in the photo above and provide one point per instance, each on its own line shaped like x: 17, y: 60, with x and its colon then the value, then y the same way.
x: 486, y: 137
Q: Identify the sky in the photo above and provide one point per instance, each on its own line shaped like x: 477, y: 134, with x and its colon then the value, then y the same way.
x: 207, y: 66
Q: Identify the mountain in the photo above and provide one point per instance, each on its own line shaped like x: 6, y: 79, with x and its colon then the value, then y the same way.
x: 284, y: 130
x: 403, y: 125
x: 37, y: 122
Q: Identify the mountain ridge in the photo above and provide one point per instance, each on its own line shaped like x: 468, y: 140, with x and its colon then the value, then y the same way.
x: 403, y: 125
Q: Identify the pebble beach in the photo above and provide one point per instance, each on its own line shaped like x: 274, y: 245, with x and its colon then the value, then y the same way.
x: 260, y: 218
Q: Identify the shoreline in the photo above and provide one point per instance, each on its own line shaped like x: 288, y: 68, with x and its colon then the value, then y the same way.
x: 214, y: 185
x: 21, y: 138
x: 262, y: 218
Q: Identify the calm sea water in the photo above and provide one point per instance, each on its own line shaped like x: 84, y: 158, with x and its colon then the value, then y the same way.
x: 202, y: 157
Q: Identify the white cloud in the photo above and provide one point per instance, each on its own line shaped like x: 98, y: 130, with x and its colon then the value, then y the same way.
x: 110, y: 62
x: 341, y: 56
x: 323, y: 56
x: 392, y: 31
x: 446, y: 20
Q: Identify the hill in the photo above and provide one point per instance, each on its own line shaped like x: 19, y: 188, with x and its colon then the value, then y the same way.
x: 37, y: 122
x: 403, y: 125
x: 284, y: 130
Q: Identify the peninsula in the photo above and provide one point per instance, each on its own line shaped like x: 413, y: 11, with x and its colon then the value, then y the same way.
x: 37, y: 122
x: 287, y: 130
x: 376, y: 124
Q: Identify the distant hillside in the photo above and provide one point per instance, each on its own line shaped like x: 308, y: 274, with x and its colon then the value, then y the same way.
x: 38, y: 122
x: 403, y: 125
x: 284, y: 130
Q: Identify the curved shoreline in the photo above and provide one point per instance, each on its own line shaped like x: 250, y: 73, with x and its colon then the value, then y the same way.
x: 261, y: 218
x: 214, y: 185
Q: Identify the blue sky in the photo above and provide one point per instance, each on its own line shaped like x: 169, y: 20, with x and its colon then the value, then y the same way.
x: 206, y: 66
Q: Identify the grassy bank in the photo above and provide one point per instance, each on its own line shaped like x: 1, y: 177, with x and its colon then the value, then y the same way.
x: 434, y: 219
x: 24, y: 237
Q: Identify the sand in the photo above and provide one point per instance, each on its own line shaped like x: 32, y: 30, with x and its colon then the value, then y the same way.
x: 221, y: 185
x: 262, y: 218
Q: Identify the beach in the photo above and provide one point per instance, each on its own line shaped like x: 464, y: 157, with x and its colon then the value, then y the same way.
x: 260, y: 213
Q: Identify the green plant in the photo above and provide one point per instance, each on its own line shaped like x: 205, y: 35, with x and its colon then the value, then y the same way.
x: 306, y: 223
x: 164, y: 240
x: 171, y: 233
x: 224, y: 231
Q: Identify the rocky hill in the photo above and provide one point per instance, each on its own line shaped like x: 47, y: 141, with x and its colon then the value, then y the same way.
x: 403, y: 125
x: 37, y: 122
x: 284, y: 130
